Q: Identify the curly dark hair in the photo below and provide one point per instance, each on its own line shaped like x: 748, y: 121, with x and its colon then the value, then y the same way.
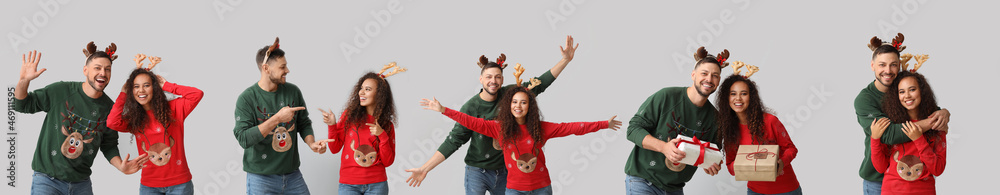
x: 895, y: 110
x: 729, y: 122
x: 135, y: 114
x: 385, y: 107
x: 510, y: 130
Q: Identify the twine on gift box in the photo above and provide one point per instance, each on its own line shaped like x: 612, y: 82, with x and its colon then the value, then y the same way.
x: 701, y: 146
x: 754, y: 156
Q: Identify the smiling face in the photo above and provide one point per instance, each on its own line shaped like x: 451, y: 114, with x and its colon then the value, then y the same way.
x: 277, y: 70
x: 739, y: 96
x: 159, y: 153
x: 706, y: 78
x: 519, y: 105
x: 886, y: 67
x: 98, y: 73
x: 367, y: 92
x: 909, y: 93
x: 491, y: 78
x: 142, y: 88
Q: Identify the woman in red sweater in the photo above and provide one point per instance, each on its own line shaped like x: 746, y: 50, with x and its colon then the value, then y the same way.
x: 366, y: 134
x: 743, y: 120
x: 143, y: 110
x: 911, y: 167
x: 522, y: 134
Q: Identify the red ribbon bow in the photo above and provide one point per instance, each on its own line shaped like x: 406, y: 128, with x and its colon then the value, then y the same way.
x: 722, y: 60
x: 753, y: 156
x: 896, y: 45
x: 701, y: 146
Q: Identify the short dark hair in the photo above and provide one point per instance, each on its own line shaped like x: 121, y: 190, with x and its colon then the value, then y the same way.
x: 884, y: 49
x: 98, y: 54
x: 275, y: 54
x: 709, y: 59
x: 491, y: 65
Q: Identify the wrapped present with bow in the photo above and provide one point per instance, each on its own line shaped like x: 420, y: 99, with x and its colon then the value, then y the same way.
x: 699, y: 153
x: 756, y: 163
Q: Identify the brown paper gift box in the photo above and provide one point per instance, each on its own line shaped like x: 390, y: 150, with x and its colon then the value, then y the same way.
x: 756, y: 163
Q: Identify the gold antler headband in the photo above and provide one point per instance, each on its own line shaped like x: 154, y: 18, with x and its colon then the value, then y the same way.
x: 518, y: 70
x: 905, y: 58
x: 153, y: 61
x: 395, y: 70
x: 750, y: 69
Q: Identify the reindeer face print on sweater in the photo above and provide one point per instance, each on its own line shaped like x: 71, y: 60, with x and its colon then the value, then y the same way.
x: 72, y: 147
x: 909, y: 167
x: 364, y: 154
x: 526, y: 162
x: 159, y: 153
x: 281, y: 141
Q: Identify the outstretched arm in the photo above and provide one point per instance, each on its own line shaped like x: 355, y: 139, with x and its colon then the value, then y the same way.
x: 567, y: 55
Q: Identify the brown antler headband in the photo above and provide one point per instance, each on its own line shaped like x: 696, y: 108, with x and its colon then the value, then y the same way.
x: 483, y: 61
x: 701, y: 53
x: 270, y: 49
x: 110, y: 50
x: 897, y: 42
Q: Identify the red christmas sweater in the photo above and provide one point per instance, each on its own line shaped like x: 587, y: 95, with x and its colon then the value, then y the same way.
x: 908, y: 167
x: 525, y: 160
x: 775, y: 132
x: 167, y: 165
x: 365, y: 155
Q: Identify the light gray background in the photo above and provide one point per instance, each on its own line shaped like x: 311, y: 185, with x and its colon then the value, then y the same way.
x: 812, y: 56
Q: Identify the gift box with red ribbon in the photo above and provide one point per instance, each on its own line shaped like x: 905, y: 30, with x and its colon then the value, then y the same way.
x: 699, y: 153
x: 756, y: 163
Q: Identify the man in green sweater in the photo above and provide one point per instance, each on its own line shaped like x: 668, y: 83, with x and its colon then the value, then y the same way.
x: 267, y: 109
x: 484, y: 169
x: 672, y: 111
x: 868, y: 107
x: 74, y: 126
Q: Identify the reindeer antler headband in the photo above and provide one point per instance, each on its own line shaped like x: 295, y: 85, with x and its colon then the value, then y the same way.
x: 701, y: 53
x: 750, y: 69
x: 91, y: 49
x: 395, y: 70
x: 897, y: 43
x: 153, y: 61
x: 483, y: 61
x: 905, y: 58
x: 270, y: 49
x: 518, y: 70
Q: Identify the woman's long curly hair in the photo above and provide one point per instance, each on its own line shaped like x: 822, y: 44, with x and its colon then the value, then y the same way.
x: 895, y: 110
x: 729, y: 122
x: 510, y: 130
x: 385, y: 107
x: 135, y: 114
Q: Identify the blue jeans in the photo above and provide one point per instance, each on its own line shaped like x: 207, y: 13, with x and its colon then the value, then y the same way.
x: 42, y: 183
x: 380, y: 188
x: 179, y: 189
x: 797, y: 191
x: 639, y: 186
x: 871, y: 187
x: 547, y: 190
x: 290, y: 183
x: 478, y: 181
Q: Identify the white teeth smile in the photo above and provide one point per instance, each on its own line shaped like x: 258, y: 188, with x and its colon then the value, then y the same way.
x: 738, y: 104
x: 142, y: 96
x: 364, y: 98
